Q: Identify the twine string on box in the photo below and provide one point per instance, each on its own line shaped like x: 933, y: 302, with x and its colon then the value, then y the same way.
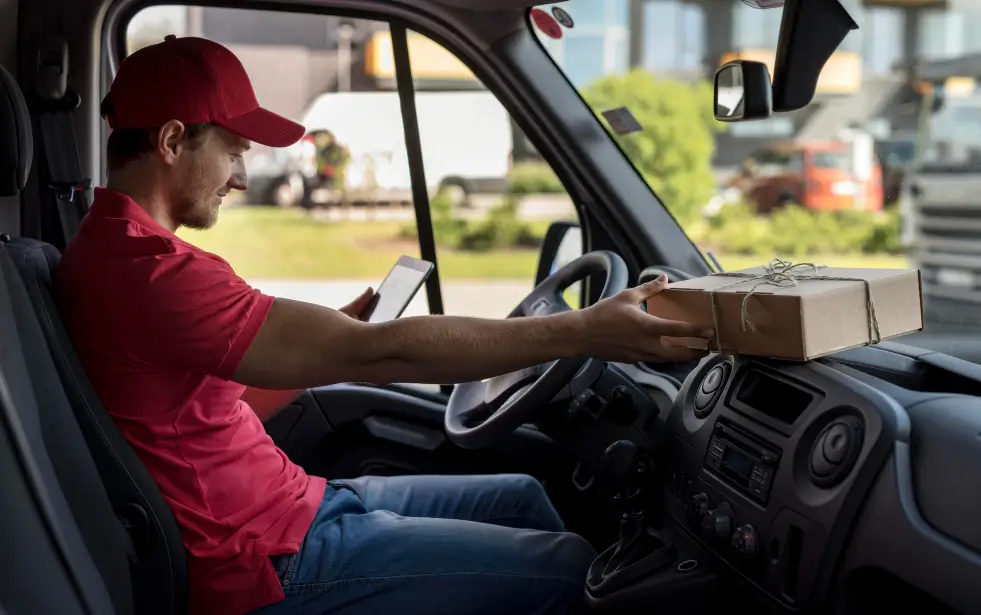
x: 784, y: 274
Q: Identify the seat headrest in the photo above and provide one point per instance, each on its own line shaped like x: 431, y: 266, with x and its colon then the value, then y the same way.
x: 17, y: 142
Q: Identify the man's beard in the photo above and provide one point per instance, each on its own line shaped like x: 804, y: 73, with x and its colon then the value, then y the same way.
x: 198, y: 216
x: 193, y: 207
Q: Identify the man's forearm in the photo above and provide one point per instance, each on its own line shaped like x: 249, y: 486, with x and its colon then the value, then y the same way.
x: 451, y: 349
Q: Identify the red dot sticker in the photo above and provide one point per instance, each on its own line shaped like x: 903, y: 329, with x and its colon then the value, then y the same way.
x: 546, y: 23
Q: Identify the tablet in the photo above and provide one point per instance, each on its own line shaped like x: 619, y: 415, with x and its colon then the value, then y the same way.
x: 397, y: 289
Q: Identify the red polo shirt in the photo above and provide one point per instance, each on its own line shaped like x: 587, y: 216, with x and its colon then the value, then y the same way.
x: 160, y: 327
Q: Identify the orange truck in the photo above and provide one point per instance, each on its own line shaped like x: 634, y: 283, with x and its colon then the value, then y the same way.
x: 814, y: 175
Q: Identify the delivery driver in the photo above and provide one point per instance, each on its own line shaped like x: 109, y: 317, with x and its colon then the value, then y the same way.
x: 176, y: 345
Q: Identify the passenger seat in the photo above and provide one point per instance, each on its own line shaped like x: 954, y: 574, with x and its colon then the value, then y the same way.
x: 143, y: 523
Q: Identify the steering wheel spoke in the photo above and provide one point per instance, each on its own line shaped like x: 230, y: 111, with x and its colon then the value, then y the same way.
x: 480, y: 412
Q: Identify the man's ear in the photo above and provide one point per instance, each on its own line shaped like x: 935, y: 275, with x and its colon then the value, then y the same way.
x: 170, y: 140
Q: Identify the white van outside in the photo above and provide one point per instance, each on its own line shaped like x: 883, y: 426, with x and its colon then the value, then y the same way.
x: 466, y: 139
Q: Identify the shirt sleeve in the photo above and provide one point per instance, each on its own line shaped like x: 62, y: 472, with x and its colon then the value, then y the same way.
x: 196, y: 314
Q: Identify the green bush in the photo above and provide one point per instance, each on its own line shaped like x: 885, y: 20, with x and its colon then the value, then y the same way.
x: 501, y: 229
x: 793, y: 231
x: 533, y: 178
x: 673, y: 151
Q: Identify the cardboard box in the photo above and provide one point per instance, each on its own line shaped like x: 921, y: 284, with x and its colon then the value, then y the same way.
x: 796, y: 312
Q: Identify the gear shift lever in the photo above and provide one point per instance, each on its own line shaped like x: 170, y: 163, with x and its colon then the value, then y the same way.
x: 639, y: 551
x: 623, y: 467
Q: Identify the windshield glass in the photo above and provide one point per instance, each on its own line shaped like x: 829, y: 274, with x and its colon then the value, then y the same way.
x: 873, y: 173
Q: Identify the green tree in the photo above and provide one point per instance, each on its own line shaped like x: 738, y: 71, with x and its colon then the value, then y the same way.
x: 674, y: 149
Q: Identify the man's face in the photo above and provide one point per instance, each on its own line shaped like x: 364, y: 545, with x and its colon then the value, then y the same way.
x: 204, y: 172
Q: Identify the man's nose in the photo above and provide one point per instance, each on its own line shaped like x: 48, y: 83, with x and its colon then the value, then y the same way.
x: 239, y: 180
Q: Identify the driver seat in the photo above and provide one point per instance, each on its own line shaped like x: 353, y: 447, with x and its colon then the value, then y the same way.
x: 157, y: 559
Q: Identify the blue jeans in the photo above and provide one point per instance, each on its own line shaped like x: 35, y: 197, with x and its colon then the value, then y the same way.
x: 432, y: 545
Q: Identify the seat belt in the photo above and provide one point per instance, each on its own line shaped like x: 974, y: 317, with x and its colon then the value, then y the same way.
x: 61, y: 168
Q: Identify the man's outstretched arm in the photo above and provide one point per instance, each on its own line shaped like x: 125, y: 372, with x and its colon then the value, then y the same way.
x: 301, y: 345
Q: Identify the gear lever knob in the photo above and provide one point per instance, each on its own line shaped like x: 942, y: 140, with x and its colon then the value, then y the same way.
x: 620, y: 465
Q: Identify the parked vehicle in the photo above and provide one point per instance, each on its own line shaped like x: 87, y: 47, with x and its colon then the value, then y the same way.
x: 940, y: 204
x: 451, y: 123
x: 815, y: 175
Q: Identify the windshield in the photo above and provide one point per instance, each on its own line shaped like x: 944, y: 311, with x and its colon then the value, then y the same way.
x: 872, y: 173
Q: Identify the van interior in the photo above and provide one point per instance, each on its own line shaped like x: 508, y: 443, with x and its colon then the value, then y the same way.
x: 848, y: 484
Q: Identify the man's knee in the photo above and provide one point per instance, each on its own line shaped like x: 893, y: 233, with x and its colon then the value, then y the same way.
x: 574, y: 557
x: 525, y: 487
x: 527, y: 495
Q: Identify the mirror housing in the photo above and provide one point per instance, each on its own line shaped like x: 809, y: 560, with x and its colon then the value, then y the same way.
x: 743, y: 91
x: 562, y: 244
x: 810, y: 33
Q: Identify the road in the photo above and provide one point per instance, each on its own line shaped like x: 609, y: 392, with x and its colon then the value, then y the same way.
x: 488, y: 299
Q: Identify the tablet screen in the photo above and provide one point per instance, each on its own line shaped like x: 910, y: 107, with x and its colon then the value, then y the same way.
x: 397, y: 291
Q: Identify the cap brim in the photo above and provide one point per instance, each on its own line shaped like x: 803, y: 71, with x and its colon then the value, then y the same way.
x: 266, y: 128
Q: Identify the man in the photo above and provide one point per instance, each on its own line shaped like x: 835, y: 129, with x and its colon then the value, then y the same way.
x: 176, y: 345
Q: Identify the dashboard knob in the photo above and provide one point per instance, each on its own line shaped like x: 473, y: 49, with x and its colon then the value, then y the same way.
x: 699, y: 505
x: 718, y: 523
x: 745, y: 541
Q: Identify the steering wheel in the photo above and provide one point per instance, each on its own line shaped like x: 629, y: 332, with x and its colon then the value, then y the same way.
x: 480, y: 412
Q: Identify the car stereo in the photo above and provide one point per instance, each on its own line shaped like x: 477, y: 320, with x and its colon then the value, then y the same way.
x: 742, y: 461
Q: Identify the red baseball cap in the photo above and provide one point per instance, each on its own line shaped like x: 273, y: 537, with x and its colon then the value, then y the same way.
x: 193, y: 80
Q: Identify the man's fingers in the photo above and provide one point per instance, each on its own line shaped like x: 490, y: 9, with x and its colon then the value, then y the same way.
x: 675, y: 328
x: 356, y: 307
x: 647, y: 290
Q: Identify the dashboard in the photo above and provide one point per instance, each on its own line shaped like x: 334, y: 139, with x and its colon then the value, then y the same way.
x: 798, y: 476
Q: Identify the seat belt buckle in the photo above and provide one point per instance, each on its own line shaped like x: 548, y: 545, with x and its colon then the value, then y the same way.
x: 66, y: 191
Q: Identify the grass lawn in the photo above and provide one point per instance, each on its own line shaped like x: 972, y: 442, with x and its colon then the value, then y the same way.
x: 267, y: 243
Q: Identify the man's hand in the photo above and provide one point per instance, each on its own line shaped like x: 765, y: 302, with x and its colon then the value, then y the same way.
x: 356, y: 308
x: 618, y: 329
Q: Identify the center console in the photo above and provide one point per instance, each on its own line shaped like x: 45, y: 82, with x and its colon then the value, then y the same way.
x: 766, y: 464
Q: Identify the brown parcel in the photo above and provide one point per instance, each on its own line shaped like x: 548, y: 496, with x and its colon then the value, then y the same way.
x: 802, y: 320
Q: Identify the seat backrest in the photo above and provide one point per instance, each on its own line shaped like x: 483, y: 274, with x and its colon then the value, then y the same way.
x: 37, y: 576
x: 142, y: 521
x: 159, y: 567
x: 74, y: 507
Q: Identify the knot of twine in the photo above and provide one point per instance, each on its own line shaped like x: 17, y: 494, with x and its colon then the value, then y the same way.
x: 784, y: 274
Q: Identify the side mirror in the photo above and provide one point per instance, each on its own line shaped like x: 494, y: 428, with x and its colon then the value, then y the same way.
x: 743, y: 91
x: 562, y: 245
